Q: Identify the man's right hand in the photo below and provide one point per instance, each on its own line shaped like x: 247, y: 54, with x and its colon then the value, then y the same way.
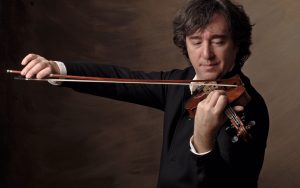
x: 39, y: 67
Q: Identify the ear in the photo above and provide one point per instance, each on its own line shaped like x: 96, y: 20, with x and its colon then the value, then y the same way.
x: 236, y: 49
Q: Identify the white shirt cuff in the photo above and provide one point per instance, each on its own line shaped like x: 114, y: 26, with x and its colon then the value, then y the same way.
x: 193, y: 150
x: 62, y: 70
x: 62, y: 67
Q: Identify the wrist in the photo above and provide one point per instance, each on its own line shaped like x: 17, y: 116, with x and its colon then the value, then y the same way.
x: 203, y: 143
x: 194, y: 151
x: 55, y: 67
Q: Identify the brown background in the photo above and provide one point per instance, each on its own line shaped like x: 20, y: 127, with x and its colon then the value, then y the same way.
x: 55, y: 137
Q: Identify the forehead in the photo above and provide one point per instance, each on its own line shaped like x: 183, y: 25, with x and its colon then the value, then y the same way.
x: 217, y: 26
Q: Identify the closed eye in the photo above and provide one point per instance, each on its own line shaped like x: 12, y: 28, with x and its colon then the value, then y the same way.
x: 196, y: 42
x: 218, y: 42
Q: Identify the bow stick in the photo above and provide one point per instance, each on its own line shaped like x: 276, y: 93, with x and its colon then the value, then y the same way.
x: 72, y: 78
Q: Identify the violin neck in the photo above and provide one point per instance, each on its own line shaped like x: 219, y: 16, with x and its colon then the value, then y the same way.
x: 233, y: 117
x: 237, y: 123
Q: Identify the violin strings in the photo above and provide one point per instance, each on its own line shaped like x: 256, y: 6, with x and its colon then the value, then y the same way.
x: 232, y: 115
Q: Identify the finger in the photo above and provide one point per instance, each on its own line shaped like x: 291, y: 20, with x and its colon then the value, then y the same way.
x: 209, y: 96
x: 36, y: 68
x: 28, y: 58
x: 238, y: 108
x: 215, y: 96
x: 44, y: 73
x: 221, y: 92
x: 29, y: 66
x: 221, y: 103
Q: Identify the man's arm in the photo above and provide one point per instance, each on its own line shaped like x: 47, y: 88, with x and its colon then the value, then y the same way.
x: 148, y: 95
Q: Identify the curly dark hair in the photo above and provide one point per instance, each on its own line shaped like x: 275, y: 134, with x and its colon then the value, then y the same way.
x: 197, y: 14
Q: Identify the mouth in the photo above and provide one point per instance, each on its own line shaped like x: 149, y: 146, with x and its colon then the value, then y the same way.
x: 209, y: 62
x: 209, y: 66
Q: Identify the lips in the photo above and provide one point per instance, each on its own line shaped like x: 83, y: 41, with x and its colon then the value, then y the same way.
x: 208, y: 63
x: 209, y: 66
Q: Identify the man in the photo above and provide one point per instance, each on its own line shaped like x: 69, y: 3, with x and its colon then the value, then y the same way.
x: 215, y: 36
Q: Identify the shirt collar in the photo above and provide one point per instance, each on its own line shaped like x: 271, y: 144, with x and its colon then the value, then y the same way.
x: 193, y: 86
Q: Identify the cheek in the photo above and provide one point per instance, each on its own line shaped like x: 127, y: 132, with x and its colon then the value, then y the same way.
x: 229, y: 58
x: 193, y: 55
x: 191, y: 51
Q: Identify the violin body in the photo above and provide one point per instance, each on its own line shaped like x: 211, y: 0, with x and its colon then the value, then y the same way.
x: 236, y: 96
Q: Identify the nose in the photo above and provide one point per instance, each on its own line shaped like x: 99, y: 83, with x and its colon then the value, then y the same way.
x: 207, y: 51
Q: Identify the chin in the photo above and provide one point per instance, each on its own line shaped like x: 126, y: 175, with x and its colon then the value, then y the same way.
x: 209, y: 76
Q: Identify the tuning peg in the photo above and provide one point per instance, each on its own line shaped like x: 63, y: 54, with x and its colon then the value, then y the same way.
x: 234, y: 139
x: 243, y: 117
x: 230, y: 130
x: 250, y: 125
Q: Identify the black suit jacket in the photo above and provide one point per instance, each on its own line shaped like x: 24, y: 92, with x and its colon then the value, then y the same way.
x: 228, y: 165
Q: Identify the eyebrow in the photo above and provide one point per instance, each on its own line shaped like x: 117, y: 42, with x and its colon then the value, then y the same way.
x: 196, y: 37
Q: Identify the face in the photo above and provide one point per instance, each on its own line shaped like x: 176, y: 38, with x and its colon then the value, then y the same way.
x: 211, y: 50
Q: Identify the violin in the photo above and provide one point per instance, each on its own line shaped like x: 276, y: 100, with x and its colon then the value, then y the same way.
x: 234, y: 88
x: 236, y: 96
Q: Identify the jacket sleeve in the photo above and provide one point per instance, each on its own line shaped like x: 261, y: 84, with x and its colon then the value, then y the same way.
x: 143, y: 94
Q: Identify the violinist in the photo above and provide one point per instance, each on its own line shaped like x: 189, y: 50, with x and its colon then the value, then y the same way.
x: 199, y: 151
